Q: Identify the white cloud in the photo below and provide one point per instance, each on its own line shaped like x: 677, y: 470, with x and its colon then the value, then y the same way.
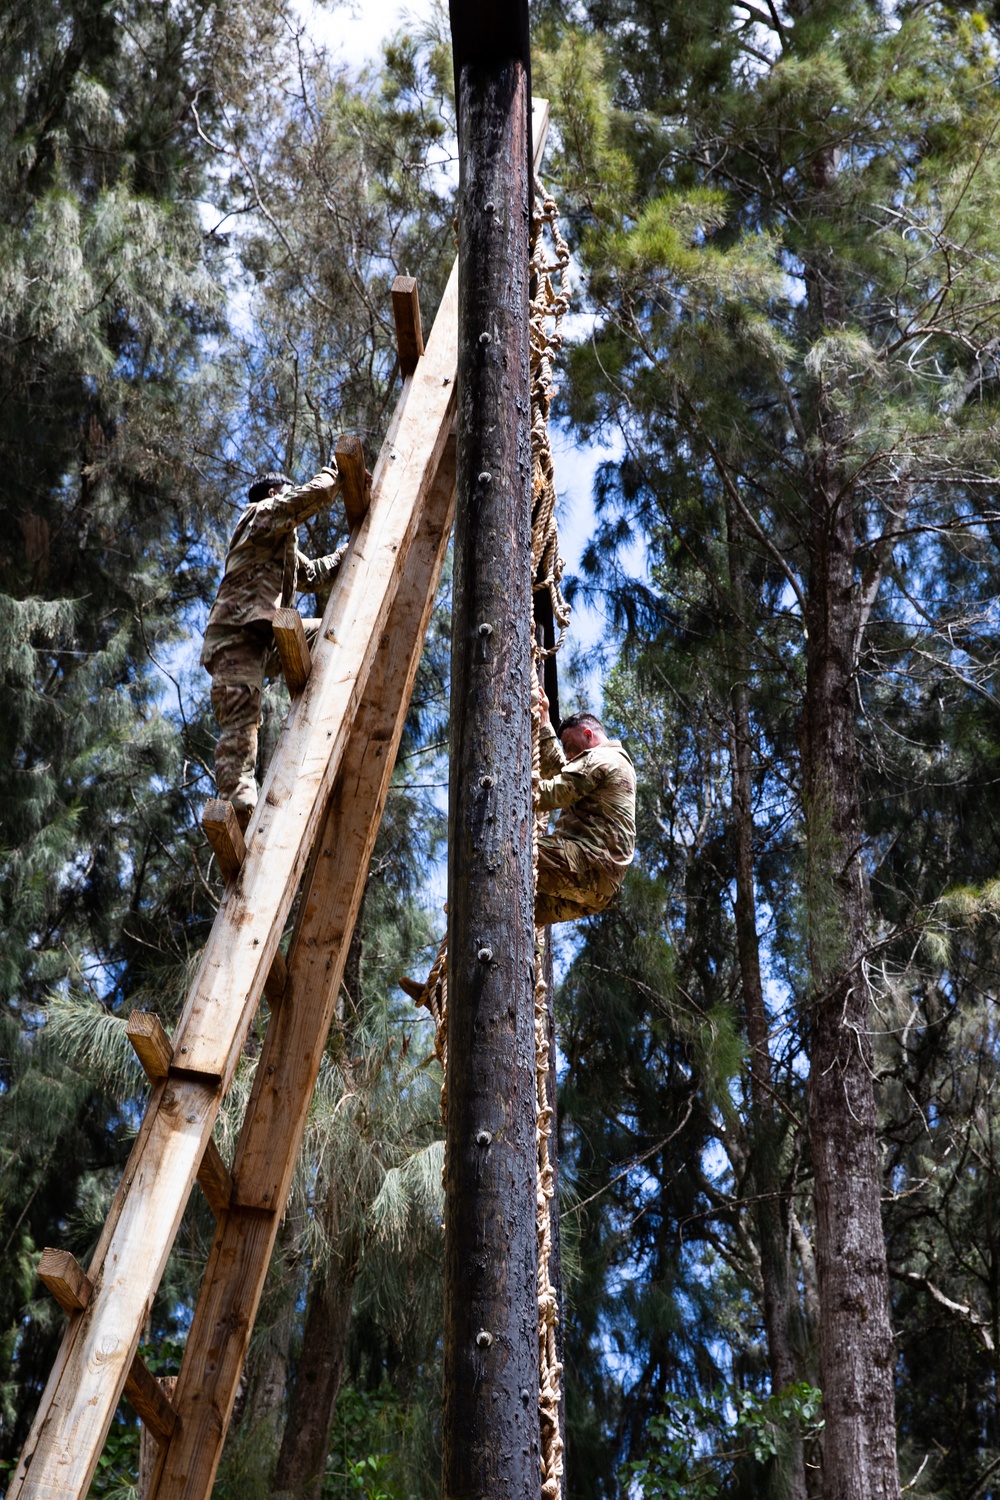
x: 353, y: 31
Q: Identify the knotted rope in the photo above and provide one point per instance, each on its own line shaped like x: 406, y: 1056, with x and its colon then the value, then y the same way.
x: 546, y: 310
x: 546, y: 307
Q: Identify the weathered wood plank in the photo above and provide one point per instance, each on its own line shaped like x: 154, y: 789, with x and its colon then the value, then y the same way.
x: 215, y: 1180
x: 153, y: 1047
x: 293, y: 649
x: 57, y: 1375
x: 61, y: 1455
x: 277, y: 980
x: 63, y: 1276
x: 149, y: 1401
x: 350, y: 456
x: 224, y: 834
x: 406, y: 313
x: 149, y: 1446
x: 269, y: 1143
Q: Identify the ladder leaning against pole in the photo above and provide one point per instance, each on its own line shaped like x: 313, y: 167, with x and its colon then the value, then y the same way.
x: 318, y: 814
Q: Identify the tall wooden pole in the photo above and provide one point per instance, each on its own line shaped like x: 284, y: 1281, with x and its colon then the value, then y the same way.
x: 490, y: 1428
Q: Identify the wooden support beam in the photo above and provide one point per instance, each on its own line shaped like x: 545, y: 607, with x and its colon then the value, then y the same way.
x: 149, y: 1402
x: 272, y: 1131
x: 409, y: 333
x: 63, y: 1276
x: 490, y: 1434
x: 149, y: 1446
x: 88, y: 1378
x: 152, y: 1046
x: 215, y: 1180
x: 293, y: 649
x: 355, y: 488
x: 223, y: 832
x: 277, y: 980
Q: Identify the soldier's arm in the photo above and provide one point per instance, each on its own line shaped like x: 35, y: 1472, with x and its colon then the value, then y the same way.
x: 552, y: 755
x: 275, y: 518
x: 315, y: 571
x: 578, y: 778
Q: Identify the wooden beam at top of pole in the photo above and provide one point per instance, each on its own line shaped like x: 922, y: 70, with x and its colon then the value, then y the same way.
x: 490, y: 1424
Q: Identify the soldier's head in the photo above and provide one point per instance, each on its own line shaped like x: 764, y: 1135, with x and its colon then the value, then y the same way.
x: 267, y: 484
x: 580, y: 732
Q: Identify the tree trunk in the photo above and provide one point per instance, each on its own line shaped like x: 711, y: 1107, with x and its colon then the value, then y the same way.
x: 490, y: 1421
x: 856, y: 1354
x: 306, y: 1442
x: 769, y: 1215
x: 312, y: 1402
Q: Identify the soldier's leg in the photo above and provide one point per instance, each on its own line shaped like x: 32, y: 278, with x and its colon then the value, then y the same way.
x: 237, y: 680
x: 565, y: 891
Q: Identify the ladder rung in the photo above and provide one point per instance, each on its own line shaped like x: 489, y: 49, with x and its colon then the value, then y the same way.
x: 354, y: 487
x: 409, y: 334
x: 215, y: 1180
x: 293, y: 649
x: 152, y: 1046
x: 223, y: 832
x: 149, y: 1403
x: 277, y: 980
x: 66, y: 1279
x: 70, y: 1285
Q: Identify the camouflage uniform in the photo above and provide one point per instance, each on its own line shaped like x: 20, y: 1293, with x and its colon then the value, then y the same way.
x: 582, y: 864
x: 264, y: 569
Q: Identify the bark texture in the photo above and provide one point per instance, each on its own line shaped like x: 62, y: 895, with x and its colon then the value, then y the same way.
x: 319, y: 1369
x: 856, y: 1350
x: 306, y: 1442
x: 490, y: 1424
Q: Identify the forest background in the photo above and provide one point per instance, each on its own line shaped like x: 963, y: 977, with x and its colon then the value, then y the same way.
x: 779, y: 1049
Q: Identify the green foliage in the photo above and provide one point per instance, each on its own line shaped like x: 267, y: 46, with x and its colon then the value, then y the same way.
x: 698, y: 1443
x: 364, y: 1419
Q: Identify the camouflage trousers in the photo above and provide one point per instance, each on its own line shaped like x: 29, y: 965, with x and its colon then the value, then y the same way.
x: 571, y: 883
x: 239, y: 671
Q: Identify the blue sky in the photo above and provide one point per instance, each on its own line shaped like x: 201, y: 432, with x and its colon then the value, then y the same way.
x: 353, y: 31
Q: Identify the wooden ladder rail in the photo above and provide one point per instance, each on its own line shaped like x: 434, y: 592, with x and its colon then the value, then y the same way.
x: 100, y: 1343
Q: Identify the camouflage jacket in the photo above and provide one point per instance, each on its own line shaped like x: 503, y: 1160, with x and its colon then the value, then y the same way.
x: 264, y: 567
x: 595, y: 792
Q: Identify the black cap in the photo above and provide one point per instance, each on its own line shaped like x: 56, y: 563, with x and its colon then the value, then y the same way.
x: 264, y: 482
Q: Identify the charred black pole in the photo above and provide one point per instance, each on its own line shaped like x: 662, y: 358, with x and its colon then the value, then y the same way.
x: 490, y: 1428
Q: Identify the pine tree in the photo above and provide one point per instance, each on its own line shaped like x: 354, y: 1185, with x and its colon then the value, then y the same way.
x: 787, y: 227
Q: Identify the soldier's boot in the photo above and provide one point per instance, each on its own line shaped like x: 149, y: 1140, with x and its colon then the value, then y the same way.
x: 235, y: 762
x: 242, y: 795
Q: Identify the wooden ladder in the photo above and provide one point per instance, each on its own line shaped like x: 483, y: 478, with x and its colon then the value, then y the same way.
x: 319, y: 811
